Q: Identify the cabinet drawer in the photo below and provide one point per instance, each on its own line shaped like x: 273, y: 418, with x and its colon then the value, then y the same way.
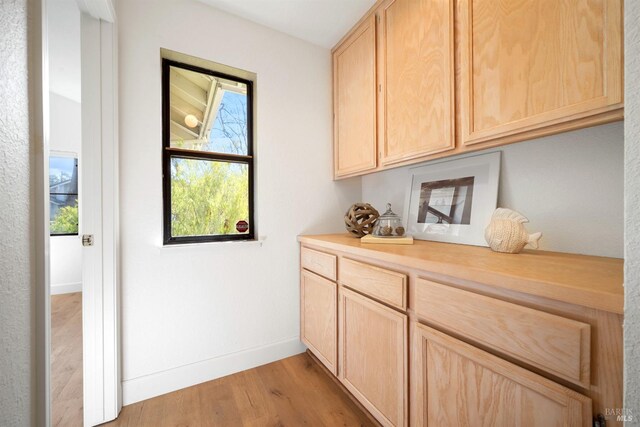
x: 318, y: 262
x: 552, y: 343
x: 385, y: 285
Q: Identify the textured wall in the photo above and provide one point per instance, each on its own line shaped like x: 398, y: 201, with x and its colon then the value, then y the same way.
x: 16, y: 308
x: 553, y: 181
x: 632, y: 208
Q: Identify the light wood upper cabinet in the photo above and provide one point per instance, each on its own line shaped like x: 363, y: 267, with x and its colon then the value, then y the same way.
x: 416, y: 74
x: 423, y: 79
x: 318, y: 322
x: 373, y: 356
x: 354, y: 101
x: 527, y: 65
x: 455, y: 384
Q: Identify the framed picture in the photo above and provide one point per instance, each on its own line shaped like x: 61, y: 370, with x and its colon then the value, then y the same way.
x: 452, y: 201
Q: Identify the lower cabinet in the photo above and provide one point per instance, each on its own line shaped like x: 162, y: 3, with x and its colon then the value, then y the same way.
x: 318, y: 310
x: 489, y: 357
x: 373, y: 356
x: 456, y: 384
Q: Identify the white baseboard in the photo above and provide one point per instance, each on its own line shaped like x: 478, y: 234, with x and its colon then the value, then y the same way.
x: 65, y: 288
x: 148, y: 386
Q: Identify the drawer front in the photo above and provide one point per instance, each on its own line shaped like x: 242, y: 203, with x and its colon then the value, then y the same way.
x: 552, y: 343
x: 319, y: 262
x: 385, y: 285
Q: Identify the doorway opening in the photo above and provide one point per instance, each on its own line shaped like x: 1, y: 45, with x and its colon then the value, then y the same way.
x: 80, y: 380
x: 65, y: 246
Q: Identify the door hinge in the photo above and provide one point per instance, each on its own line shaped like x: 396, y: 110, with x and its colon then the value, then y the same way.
x: 87, y: 240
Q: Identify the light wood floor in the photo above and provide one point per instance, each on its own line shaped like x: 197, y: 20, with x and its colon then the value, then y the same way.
x: 66, y: 360
x: 290, y: 392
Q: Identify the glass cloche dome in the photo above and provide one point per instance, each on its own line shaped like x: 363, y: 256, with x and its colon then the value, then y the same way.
x: 389, y: 225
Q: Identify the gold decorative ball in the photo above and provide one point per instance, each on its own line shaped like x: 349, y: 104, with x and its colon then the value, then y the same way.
x: 360, y: 218
x: 386, y: 230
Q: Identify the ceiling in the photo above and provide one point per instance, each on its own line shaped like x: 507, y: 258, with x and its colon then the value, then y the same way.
x: 321, y: 22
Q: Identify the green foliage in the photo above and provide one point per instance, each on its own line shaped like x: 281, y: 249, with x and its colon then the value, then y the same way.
x: 66, y: 221
x: 207, y: 197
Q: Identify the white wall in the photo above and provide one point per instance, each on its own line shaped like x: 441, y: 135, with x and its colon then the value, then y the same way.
x: 632, y: 209
x: 66, y: 264
x: 17, y: 275
x: 556, y: 182
x: 193, y: 313
x: 63, y: 34
x: 65, y: 136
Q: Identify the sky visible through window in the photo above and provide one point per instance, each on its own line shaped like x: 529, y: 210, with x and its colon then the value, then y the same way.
x: 229, y: 130
x: 60, y: 169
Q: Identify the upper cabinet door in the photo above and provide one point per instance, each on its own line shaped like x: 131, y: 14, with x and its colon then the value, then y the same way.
x: 530, y: 64
x: 354, y: 88
x: 416, y: 72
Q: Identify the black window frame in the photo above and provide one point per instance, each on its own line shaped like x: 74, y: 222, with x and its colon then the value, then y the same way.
x: 169, y: 152
x: 77, y: 194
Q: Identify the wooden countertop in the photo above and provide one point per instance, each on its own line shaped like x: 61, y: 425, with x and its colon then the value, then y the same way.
x: 589, y: 281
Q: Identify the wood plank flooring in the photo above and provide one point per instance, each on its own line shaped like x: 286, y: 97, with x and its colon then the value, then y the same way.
x: 290, y: 392
x: 66, y: 360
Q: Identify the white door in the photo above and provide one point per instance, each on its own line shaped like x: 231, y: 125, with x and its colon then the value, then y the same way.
x: 98, y: 225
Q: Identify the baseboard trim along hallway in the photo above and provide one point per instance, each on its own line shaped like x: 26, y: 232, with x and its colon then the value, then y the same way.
x: 66, y: 288
x: 148, y: 386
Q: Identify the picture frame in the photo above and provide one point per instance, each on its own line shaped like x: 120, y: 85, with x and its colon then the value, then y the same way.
x: 452, y: 201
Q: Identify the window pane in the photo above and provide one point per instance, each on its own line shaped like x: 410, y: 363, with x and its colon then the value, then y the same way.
x: 208, y: 197
x: 63, y: 175
x: 63, y: 199
x: 207, y: 113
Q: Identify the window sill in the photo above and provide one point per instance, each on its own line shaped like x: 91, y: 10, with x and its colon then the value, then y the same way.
x: 259, y: 241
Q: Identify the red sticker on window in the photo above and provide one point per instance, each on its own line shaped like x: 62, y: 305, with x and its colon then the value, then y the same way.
x: 242, y: 226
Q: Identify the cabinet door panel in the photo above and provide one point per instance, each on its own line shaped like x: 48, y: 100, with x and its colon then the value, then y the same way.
x: 456, y: 384
x: 373, y: 356
x: 354, y: 91
x: 417, y: 78
x: 318, y: 311
x: 535, y: 63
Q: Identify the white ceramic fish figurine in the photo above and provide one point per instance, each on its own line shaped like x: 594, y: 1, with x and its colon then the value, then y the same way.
x: 506, y: 232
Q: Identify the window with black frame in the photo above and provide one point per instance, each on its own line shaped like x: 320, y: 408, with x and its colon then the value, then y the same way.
x: 207, y: 155
x: 63, y: 196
